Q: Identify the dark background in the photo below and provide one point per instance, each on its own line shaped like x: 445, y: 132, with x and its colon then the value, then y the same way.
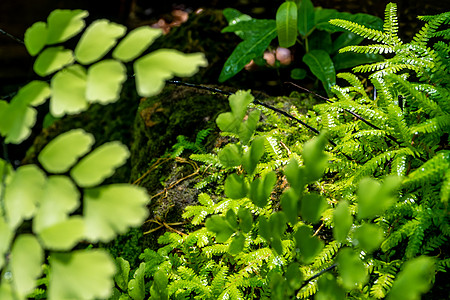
x: 17, y: 15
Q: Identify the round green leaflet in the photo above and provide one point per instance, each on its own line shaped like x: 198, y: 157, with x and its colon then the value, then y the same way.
x: 152, y: 70
x: 6, y: 236
x: 22, y: 194
x: 16, y: 119
x: 64, y: 24
x: 352, y: 270
x: 63, y: 151
x: 26, y: 259
x: 64, y: 235
x: 81, y: 275
x: 112, y: 209
x: 97, y: 40
x: 136, y: 42
x: 36, y: 38
x: 104, y: 81
x: 100, y: 164
x: 34, y: 93
x: 68, y: 91
x: 60, y: 198
x: 52, y: 59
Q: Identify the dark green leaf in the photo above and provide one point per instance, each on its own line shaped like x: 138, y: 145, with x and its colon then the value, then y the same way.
x: 298, y: 73
x: 230, y: 156
x: 220, y: 227
x: 136, y: 286
x: 369, y: 237
x: 286, y: 19
x: 253, y: 155
x: 348, y: 60
x: 251, y: 47
x: 312, y: 206
x: 290, y: 202
x: 320, y: 40
x: 245, y: 219
x: 346, y: 39
x: 309, y: 246
x: 305, y: 18
x: 235, y: 186
x: 295, y: 176
x: 315, y: 159
x: 343, y: 221
x: 237, y: 244
x: 415, y: 279
x: 260, y: 189
x: 352, y: 270
x: 234, y: 16
x: 329, y: 289
x: 248, y: 127
x: 123, y: 270
x: 321, y: 65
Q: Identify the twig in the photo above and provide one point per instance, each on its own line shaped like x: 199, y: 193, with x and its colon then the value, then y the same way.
x: 12, y: 36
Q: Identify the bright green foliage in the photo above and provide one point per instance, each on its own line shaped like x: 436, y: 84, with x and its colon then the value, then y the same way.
x: 63, y: 151
x: 40, y: 211
x: 352, y: 270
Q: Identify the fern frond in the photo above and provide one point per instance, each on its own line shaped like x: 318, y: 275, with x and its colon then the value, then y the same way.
x: 272, y: 147
x: 436, y: 125
x: 390, y: 25
x: 209, y: 159
x: 376, y: 49
x: 445, y: 189
x: 361, y: 30
x: 219, y: 281
x: 434, y: 243
x: 373, y: 165
x: 326, y: 255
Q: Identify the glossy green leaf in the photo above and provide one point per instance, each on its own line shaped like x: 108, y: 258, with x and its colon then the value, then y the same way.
x: 261, y: 188
x: 111, y: 210
x: 309, y: 245
x: 295, y: 176
x: 81, y: 275
x: 352, y: 270
x: 286, y: 19
x: 253, y: 46
x: 321, y: 65
x: 98, y: 39
x: 374, y: 198
x: 245, y: 219
x: 414, y: 280
x: 248, y: 127
x: 26, y: 259
x: 36, y: 37
x: 234, y: 16
x: 305, y: 18
x: 298, y: 73
x: 6, y: 235
x: 349, y: 60
x: 59, y: 199
x: 235, y: 186
x: 312, y: 206
x: 104, y: 81
x: 237, y: 244
x: 346, y: 39
x: 220, y: 227
x: 136, y: 42
x: 64, y: 24
x: 123, y: 271
x: 68, y: 91
x: 251, y: 158
x: 320, y: 40
x: 369, y: 237
x: 290, y: 202
x: 314, y: 157
x: 152, y: 70
x: 230, y: 156
x: 100, y: 164
x: 34, y: 93
x: 343, y: 221
x: 52, y: 59
x: 136, y: 286
x: 61, y: 153
x: 23, y: 193
x: 16, y: 120
x: 64, y: 235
